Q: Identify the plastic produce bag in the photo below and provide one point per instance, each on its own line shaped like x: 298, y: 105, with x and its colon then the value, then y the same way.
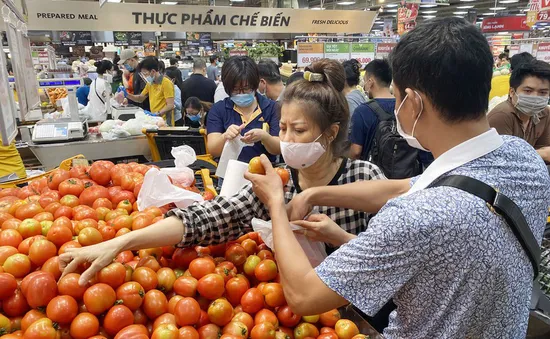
x: 315, y: 250
x: 107, y: 125
x: 183, y: 156
x: 231, y: 151
x: 132, y: 126
x: 157, y: 190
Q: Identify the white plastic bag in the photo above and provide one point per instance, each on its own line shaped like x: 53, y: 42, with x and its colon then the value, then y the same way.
x: 157, y: 190
x: 315, y: 250
x: 183, y: 156
x: 231, y: 151
x: 132, y: 126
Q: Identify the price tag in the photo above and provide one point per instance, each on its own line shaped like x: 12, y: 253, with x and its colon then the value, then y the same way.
x: 543, y: 51
x: 339, y: 51
x: 309, y: 52
x: 362, y: 52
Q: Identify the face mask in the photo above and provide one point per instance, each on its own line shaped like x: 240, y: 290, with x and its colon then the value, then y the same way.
x: 301, y: 155
x: 243, y: 100
x: 150, y: 79
x: 194, y: 118
x: 531, y: 104
x: 129, y: 68
x: 217, y: 63
x: 411, y: 140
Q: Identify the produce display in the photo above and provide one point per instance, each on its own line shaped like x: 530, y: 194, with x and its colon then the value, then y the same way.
x: 225, y: 291
x: 56, y: 93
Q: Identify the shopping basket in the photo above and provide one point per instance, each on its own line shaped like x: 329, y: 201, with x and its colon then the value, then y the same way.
x: 65, y: 164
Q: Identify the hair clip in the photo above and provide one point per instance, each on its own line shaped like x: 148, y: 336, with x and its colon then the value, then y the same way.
x: 314, y: 77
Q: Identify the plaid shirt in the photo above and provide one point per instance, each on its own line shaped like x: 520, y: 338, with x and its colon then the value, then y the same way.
x: 226, y: 218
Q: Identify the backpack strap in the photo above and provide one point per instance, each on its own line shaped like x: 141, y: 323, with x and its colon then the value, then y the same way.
x: 380, y: 113
x: 503, y: 206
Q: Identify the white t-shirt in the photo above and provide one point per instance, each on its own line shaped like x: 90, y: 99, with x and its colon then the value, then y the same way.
x: 98, y: 98
x: 220, y: 94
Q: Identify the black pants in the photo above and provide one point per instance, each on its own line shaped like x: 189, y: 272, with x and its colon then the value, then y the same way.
x: 381, y: 319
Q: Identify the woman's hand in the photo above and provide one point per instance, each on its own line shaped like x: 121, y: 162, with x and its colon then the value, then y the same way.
x: 99, y: 255
x: 299, y: 207
x: 254, y: 136
x: 268, y: 188
x: 232, y: 132
x: 319, y: 227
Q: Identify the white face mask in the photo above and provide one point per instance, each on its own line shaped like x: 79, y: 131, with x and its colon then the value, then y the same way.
x: 531, y: 104
x: 411, y: 140
x: 302, y: 155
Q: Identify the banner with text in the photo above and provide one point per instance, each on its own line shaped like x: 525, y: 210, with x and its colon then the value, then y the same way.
x: 309, y: 52
x: 383, y: 50
x: 337, y: 51
x: 76, y: 38
x: 128, y: 38
x: 87, y: 15
x: 363, y: 52
x: 504, y: 24
x: 406, y: 17
x: 543, y: 51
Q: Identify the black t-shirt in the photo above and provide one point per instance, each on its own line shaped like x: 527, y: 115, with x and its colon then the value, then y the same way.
x: 139, y: 86
x: 198, y: 86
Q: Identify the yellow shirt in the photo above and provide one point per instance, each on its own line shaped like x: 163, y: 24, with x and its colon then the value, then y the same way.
x: 10, y: 161
x: 158, y: 93
x: 500, y: 85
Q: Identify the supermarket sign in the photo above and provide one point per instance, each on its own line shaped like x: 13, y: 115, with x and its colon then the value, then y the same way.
x: 383, y: 50
x: 363, y: 52
x: 543, y: 51
x: 504, y: 24
x: 309, y: 52
x: 337, y: 51
x: 133, y: 17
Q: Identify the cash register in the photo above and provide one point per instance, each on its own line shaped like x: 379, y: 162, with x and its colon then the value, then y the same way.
x: 65, y: 129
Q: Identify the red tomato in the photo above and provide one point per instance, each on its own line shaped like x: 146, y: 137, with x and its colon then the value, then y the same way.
x: 52, y: 207
x: 59, y: 235
x: 328, y: 336
x: 16, y: 305
x: 200, y: 267
x: 131, y: 294
x: 84, y: 326
x: 63, y: 211
x: 102, y: 202
x: 117, y: 172
x: 18, y: 265
x: 154, y: 304
x: 62, y: 309
x: 106, y: 163
x: 91, y: 194
x: 52, y: 266
x: 266, y: 316
x: 287, y: 318
x: 129, y: 180
x: 68, y: 285
x: 39, y: 288
x: 117, y: 318
x: 252, y: 301
x: 244, y: 318
x: 146, y: 277
x: 11, y: 238
x: 43, y: 329
x: 236, y: 254
x: 263, y: 331
x: 235, y: 288
x: 133, y: 332
x: 141, y: 221
x: 6, y: 252
x: 8, y: 285
x: 112, y: 275
x: 85, y: 212
x: 166, y: 331
x: 211, y: 286
x: 188, y: 332
x: 28, y: 210
x: 100, y: 174
x: 123, y: 195
x: 89, y: 236
x: 183, y: 257
x: 210, y: 331
x: 6, y: 192
x: 330, y: 318
x: 187, y: 312
x: 236, y: 328
x: 42, y: 216
x: 186, y: 286
x: 107, y: 232
x: 71, y: 186
x: 346, y: 329
x: 266, y: 270
x: 273, y: 294
x: 26, y: 192
x: 265, y: 254
x: 80, y: 172
x: 57, y: 177
x: 165, y: 319
x: 166, y: 279
x: 67, y: 245
x: 40, y: 251
x: 30, y: 317
x: 220, y: 312
x: 99, y: 298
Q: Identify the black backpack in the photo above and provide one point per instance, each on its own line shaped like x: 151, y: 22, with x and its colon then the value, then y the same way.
x: 389, y: 150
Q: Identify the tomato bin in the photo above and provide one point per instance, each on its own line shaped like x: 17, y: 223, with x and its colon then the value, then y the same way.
x: 225, y: 291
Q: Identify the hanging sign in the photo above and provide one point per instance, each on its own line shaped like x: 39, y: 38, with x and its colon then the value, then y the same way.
x: 504, y: 24
x: 543, y: 51
x: 309, y: 52
x: 406, y: 17
x: 362, y: 52
x: 543, y: 16
x: 128, y: 38
x: 75, y: 38
x: 514, y: 49
x: 337, y: 51
x: 526, y: 48
x: 383, y: 50
x: 87, y: 15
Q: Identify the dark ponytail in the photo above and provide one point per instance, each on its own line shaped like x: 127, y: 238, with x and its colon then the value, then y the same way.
x: 323, y: 98
x: 353, y: 72
x: 103, y: 66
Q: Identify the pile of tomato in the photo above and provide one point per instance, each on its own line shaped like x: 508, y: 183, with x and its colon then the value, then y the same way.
x: 228, y: 291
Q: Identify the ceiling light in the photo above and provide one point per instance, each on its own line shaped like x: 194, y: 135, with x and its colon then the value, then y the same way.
x: 394, y: 5
x: 379, y: 22
x: 428, y: 16
x: 502, y: 33
x: 318, y: 8
x: 114, y: 1
x: 391, y: 10
x: 497, y: 8
x: 490, y: 13
x: 465, y: 7
x: 237, y: 0
x: 467, y: 0
x: 543, y: 23
x: 508, y: 1
x: 429, y: 12
x: 346, y: 3
x: 460, y: 13
x: 428, y: 6
x: 169, y: 3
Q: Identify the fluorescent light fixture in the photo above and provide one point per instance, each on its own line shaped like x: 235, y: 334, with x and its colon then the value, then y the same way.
x: 379, y: 22
x: 502, y: 33
x: 497, y: 8
x: 467, y: 0
x: 318, y: 8
x: 508, y: 1
x: 391, y: 10
x: 169, y: 3
x: 346, y: 3
x: 429, y: 12
x: 428, y: 16
x: 465, y: 7
x: 114, y: 1
x: 428, y: 6
x: 237, y: 0
x: 394, y: 5
x: 489, y: 13
x: 543, y: 23
x: 460, y: 13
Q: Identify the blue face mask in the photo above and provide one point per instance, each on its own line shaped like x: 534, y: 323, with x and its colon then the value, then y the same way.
x: 129, y: 68
x: 194, y: 118
x: 150, y: 79
x: 243, y: 100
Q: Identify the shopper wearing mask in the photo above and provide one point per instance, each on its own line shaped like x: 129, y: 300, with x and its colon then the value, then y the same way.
x: 159, y: 89
x: 131, y: 78
x: 314, y: 119
x: 198, y: 85
x: 271, y: 84
x: 213, y: 70
x: 526, y: 113
x: 245, y: 113
x: 100, y: 91
x: 174, y: 75
x: 354, y: 96
x: 453, y: 267
x: 194, y: 113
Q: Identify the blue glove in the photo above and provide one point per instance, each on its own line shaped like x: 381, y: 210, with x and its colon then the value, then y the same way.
x: 123, y: 90
x: 148, y: 113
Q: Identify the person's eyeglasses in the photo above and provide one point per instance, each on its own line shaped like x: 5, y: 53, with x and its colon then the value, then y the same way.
x: 243, y: 90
